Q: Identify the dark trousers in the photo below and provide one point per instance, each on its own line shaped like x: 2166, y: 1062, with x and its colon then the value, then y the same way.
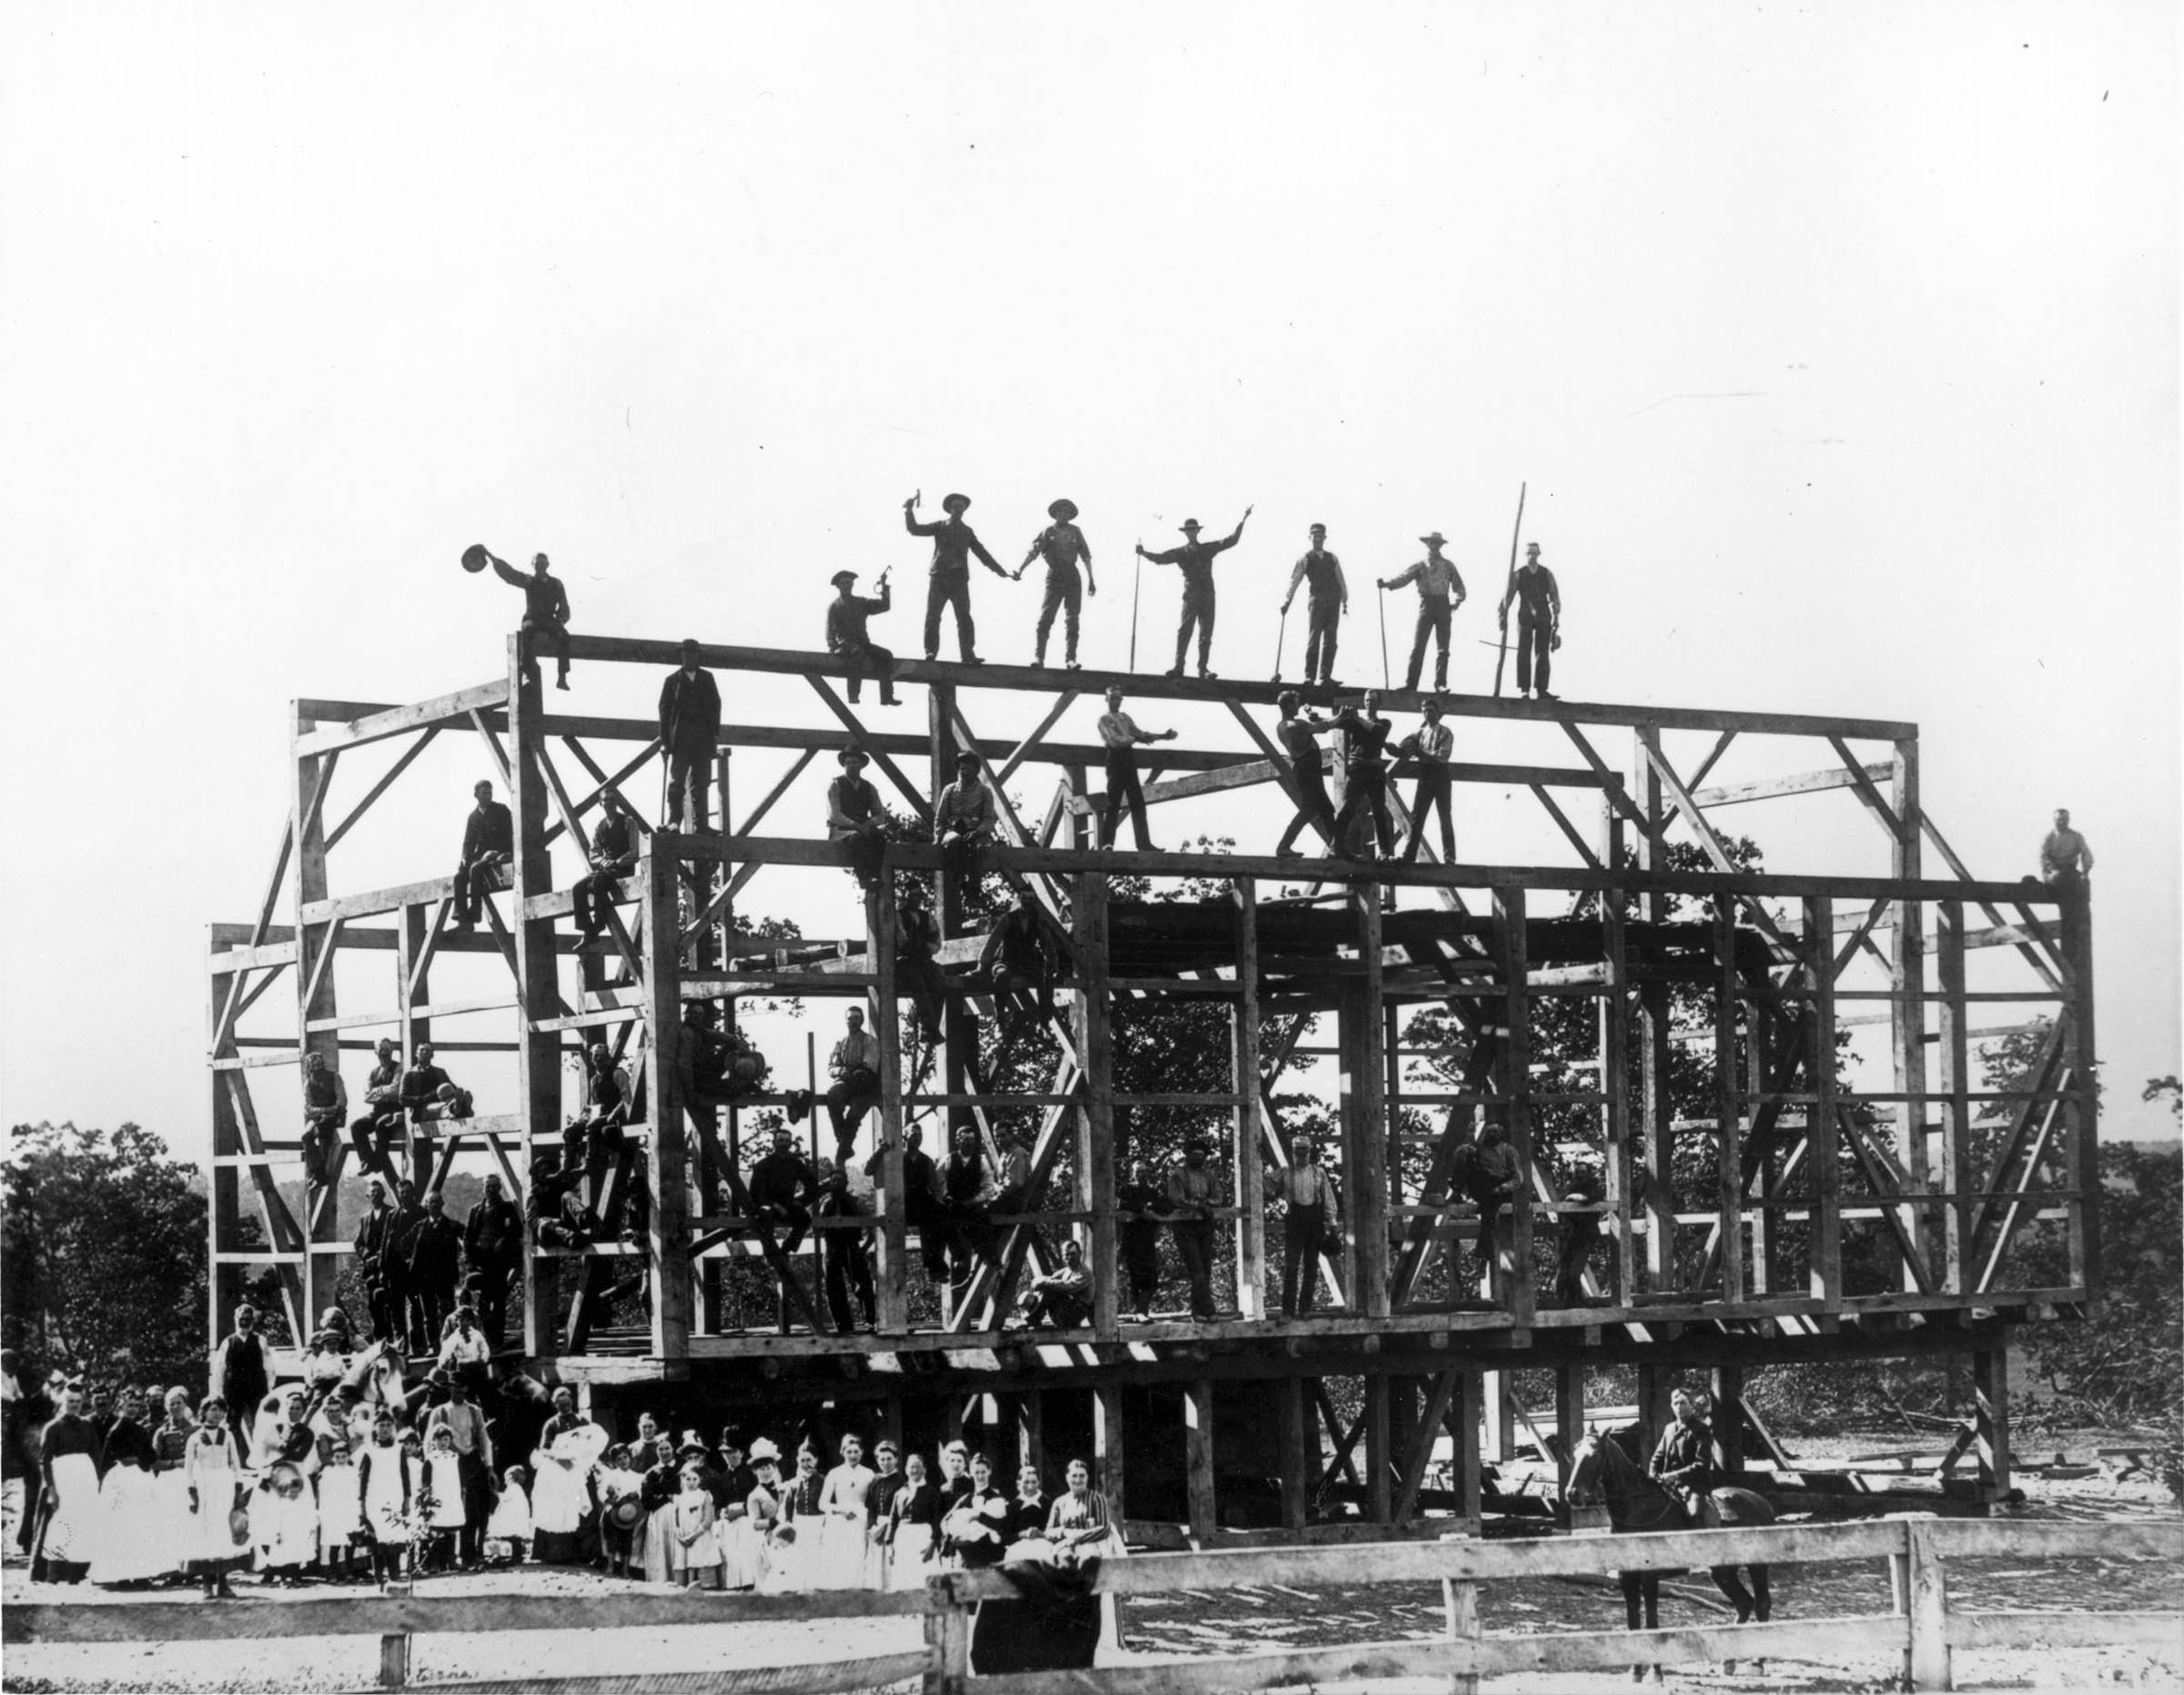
x: 494, y: 1277
x: 2070, y: 887
x: 935, y: 1235
x: 1580, y: 1231
x: 1065, y: 594
x: 1064, y: 1312
x: 373, y: 1135
x: 385, y: 1305
x: 846, y: 1106
x: 1432, y: 620
x: 1194, y: 1241
x: 470, y: 1541
x: 1141, y: 1264
x: 1433, y: 795
x: 1319, y: 643
x: 868, y: 659
x: 793, y: 1213
x: 595, y: 893
x: 926, y: 983
x: 549, y: 637
x: 1123, y: 786
x: 866, y: 851
x: 690, y: 778
x: 1365, y: 789
x: 1535, y: 642
x: 848, y: 1270
x: 1303, y: 1237
x: 1315, y: 809
x: 429, y: 1305
x: 1198, y: 614
x: 474, y: 882
x: 944, y: 590
x: 321, y: 1137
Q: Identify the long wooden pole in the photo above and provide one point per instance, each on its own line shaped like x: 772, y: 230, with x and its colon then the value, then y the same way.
x: 1501, y: 658
x: 1136, y: 573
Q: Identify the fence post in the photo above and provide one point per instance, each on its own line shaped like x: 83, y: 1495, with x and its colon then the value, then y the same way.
x: 1927, y: 1592
x: 1460, y: 1602
x: 948, y: 1634
x: 394, y: 1662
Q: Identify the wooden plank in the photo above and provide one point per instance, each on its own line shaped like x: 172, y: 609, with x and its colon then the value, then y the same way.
x: 1092, y: 1011
x: 1510, y: 935
x: 399, y: 720
x: 1024, y: 749
x: 1028, y: 678
x: 1713, y: 757
x: 817, y: 1678
x: 1809, y: 782
x: 1248, y: 1130
x: 400, y: 765
x: 1439, y: 1397
x: 2066, y: 1629
x: 1365, y: 1164
x: 1728, y: 1104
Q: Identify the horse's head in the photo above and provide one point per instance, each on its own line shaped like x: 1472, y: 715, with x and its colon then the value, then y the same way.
x: 1587, y: 1462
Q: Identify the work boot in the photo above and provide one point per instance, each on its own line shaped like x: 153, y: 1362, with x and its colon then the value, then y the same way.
x: 1174, y: 671
x: 1205, y: 675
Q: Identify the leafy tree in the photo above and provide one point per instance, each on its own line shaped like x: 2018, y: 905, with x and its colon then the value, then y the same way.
x: 102, y: 1240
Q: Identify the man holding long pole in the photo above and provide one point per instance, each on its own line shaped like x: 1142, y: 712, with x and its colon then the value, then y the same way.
x: 1501, y: 655
x: 1538, y: 620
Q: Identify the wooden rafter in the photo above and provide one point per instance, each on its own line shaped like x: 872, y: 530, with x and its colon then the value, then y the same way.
x: 385, y: 781
x: 834, y: 703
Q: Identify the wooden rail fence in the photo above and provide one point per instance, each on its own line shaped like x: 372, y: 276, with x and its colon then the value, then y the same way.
x: 1923, y: 1627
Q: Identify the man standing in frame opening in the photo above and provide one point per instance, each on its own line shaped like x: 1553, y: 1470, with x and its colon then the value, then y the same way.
x: 953, y: 543
x: 1538, y: 620
x: 1062, y: 544
x: 1196, y: 560
x: 1120, y: 733
x: 690, y: 731
x: 1430, y: 746
x: 1328, y: 598
x: 1439, y: 592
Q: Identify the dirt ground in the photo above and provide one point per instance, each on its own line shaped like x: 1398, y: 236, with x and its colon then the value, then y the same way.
x: 1192, y: 1623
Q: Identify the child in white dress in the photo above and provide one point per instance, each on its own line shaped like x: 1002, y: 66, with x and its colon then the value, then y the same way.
x: 511, y: 1522
x: 693, y: 1553
x: 212, y: 1467
x: 283, y: 1525
x: 443, y: 1487
x: 340, y: 1507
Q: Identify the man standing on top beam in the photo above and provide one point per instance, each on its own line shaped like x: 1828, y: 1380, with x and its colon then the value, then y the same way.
x: 1195, y: 557
x: 953, y: 543
x: 1538, y: 620
x: 1439, y: 592
x: 1328, y: 600
x: 1062, y: 544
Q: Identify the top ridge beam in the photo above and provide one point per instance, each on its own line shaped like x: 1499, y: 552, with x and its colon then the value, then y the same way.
x: 396, y: 720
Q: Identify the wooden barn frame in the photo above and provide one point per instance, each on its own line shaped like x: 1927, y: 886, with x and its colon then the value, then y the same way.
x: 1489, y: 944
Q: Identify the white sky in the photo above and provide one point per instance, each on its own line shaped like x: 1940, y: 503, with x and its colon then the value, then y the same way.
x: 1838, y: 347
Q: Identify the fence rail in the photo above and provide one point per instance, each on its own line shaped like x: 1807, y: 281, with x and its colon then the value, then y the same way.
x: 1923, y: 1628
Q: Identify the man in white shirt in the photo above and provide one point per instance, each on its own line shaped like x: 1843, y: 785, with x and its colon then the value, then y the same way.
x: 1430, y: 747
x: 1439, y: 592
x: 1121, y: 735
x: 2065, y: 859
x: 854, y: 1066
x: 1313, y: 1210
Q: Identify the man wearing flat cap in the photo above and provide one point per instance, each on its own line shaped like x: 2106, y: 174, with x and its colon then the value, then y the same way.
x: 613, y: 855
x: 1196, y: 560
x: 1439, y: 592
x: 853, y: 817
x: 846, y: 635
x: 1061, y: 544
x: 1326, y: 599
x: 953, y: 543
x: 964, y: 818
x: 689, y: 733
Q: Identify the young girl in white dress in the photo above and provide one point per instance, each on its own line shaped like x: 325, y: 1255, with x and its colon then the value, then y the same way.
x: 284, y: 1524
x: 340, y: 1506
x: 212, y: 1467
x: 693, y: 1553
x: 839, y: 1563
x: 390, y: 1484
x: 511, y: 1522
x: 775, y: 1559
x: 443, y: 1486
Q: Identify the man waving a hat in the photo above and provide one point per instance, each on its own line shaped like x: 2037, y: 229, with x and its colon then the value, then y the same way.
x: 1196, y: 560
x: 1063, y: 544
x: 1439, y: 592
x: 953, y: 543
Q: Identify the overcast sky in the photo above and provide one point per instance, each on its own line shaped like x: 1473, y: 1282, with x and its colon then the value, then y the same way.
x: 1837, y: 347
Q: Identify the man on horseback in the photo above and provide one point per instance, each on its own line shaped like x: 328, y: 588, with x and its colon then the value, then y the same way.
x: 1683, y: 1458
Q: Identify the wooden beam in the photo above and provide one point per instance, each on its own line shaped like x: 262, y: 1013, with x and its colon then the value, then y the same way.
x: 399, y: 720
x: 1248, y: 1130
x: 1092, y: 1012
x: 1198, y: 1458
x: 1773, y: 788
x: 921, y: 807
x: 400, y: 765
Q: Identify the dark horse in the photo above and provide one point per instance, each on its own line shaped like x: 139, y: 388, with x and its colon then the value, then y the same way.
x: 1602, y: 1469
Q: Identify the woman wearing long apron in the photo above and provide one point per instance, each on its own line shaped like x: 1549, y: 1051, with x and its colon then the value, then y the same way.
x: 68, y: 1468
x: 129, y: 1552
x: 213, y: 1467
x: 662, y: 1481
x: 389, y: 1483
x: 172, y: 1521
x: 843, y: 1514
x: 879, y: 1504
x: 912, y: 1528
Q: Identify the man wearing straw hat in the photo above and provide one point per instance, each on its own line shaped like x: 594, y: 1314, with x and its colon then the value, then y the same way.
x: 953, y: 543
x: 846, y: 634
x: 853, y: 817
x: 1061, y: 544
x: 1439, y: 592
